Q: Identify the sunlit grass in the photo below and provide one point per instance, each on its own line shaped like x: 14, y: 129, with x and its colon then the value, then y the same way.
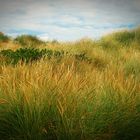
x: 73, y: 98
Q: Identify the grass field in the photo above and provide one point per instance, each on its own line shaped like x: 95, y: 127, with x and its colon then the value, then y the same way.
x: 90, y: 92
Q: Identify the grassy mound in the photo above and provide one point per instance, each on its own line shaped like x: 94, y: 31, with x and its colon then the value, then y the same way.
x: 4, y: 38
x: 28, y: 41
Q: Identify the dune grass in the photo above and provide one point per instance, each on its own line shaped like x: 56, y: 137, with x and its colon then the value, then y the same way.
x: 74, y: 98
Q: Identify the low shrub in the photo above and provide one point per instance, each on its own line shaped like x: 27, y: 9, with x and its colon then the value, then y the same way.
x: 23, y: 54
x: 30, y: 54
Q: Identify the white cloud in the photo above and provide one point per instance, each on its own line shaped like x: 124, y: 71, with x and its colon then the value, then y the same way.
x: 43, y: 37
x: 67, y: 20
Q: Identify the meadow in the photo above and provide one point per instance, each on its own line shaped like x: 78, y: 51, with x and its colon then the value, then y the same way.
x: 82, y: 90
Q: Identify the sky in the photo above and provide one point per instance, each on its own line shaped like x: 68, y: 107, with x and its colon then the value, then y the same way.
x: 67, y: 20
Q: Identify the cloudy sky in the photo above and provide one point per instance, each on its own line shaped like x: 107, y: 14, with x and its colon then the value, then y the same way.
x: 68, y: 19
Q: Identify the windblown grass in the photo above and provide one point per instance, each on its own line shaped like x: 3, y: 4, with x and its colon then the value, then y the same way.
x: 73, y: 99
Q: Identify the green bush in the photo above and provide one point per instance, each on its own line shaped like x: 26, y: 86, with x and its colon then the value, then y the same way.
x: 22, y: 54
x: 30, y: 54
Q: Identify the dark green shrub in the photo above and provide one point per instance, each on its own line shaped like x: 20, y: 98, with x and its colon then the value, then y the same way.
x: 33, y: 54
x: 30, y: 54
x: 23, y: 54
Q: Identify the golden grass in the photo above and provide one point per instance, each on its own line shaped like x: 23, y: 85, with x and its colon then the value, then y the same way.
x: 73, y: 99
